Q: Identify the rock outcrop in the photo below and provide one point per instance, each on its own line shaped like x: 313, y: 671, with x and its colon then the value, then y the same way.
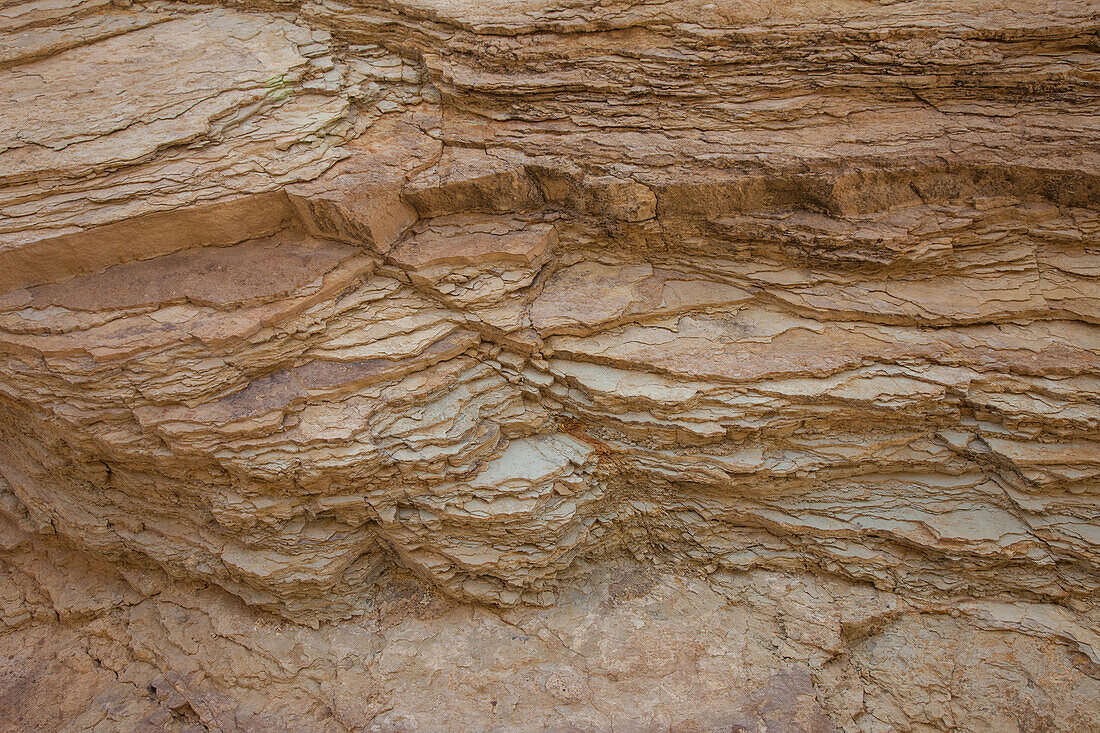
x: 521, y: 365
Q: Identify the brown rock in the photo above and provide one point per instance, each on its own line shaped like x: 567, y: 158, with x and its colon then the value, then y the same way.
x: 441, y: 365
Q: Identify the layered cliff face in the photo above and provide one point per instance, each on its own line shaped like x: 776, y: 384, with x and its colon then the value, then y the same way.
x: 576, y: 366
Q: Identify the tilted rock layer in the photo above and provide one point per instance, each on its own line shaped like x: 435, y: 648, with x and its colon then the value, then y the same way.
x: 439, y: 365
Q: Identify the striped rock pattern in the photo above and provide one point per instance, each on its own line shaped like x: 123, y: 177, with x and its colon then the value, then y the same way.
x: 496, y: 298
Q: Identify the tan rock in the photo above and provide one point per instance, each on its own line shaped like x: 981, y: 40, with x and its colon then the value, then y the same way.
x: 441, y: 365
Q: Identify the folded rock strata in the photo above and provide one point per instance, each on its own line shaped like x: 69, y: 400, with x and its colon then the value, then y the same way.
x: 793, y: 312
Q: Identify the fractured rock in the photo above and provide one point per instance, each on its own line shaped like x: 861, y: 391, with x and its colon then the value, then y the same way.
x: 527, y: 366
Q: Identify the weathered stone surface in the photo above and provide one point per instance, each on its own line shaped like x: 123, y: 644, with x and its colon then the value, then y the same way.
x: 537, y: 366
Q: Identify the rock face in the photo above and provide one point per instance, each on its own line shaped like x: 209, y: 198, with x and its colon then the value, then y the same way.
x: 439, y: 365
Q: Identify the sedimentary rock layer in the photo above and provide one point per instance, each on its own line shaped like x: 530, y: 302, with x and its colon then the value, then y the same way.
x: 793, y: 312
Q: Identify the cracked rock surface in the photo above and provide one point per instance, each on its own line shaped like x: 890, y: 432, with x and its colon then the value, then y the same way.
x: 438, y: 365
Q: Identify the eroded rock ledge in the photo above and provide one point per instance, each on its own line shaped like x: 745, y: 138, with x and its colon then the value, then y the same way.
x: 785, y: 322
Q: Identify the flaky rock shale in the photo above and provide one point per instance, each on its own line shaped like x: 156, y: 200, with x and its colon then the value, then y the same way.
x: 441, y: 365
